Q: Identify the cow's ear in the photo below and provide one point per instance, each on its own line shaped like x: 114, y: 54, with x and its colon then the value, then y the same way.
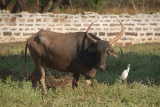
x: 113, y: 53
x: 92, y: 49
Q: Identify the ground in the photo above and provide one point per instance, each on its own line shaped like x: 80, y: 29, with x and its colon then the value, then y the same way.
x: 58, y: 80
x: 141, y: 89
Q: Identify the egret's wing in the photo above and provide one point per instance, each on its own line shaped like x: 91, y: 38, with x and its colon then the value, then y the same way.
x: 123, y: 75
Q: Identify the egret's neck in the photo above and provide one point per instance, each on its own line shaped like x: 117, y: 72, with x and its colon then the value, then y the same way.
x: 128, y: 68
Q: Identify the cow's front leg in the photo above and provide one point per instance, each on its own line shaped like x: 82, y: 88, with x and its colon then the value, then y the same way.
x: 88, y: 80
x: 89, y: 74
x: 75, y: 79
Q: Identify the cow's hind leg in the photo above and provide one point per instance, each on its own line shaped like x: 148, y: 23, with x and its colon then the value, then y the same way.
x: 42, y: 80
x: 38, y: 76
x: 35, y: 76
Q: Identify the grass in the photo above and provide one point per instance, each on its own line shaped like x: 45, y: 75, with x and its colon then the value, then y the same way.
x: 142, y: 87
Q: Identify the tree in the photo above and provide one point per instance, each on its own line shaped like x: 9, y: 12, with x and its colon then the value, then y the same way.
x: 21, y: 4
x: 55, y: 4
x: 37, y: 5
x: 4, y: 4
x: 50, y: 5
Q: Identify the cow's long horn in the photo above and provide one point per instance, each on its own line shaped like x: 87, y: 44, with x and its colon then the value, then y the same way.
x: 118, y: 36
x: 88, y: 36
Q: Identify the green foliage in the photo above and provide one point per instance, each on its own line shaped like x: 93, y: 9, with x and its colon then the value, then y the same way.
x: 135, y: 94
x: 101, y: 6
x: 142, y: 87
x: 18, y: 94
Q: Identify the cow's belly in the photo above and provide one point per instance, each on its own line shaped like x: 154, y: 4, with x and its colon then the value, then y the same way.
x: 59, y: 60
x: 61, y: 67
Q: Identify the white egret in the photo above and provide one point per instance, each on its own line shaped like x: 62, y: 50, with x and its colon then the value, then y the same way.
x: 125, y: 73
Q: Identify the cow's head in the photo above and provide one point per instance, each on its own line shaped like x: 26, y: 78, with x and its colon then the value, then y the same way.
x: 103, y: 48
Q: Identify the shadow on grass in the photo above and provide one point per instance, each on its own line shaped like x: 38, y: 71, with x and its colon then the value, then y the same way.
x: 12, y: 66
x: 144, y: 68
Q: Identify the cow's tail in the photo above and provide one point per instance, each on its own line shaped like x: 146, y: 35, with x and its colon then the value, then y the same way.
x: 25, y: 63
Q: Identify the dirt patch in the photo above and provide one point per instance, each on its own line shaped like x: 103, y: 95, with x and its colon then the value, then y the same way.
x: 52, y: 81
x: 61, y: 81
x: 15, y: 75
x: 4, y: 73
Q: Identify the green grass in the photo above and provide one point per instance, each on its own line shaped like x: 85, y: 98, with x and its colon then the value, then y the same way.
x: 142, y: 88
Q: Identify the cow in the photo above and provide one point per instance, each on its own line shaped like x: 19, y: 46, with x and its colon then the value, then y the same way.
x: 78, y: 53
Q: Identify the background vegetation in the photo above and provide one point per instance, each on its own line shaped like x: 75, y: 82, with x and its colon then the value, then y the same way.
x: 142, y: 87
x: 79, y: 6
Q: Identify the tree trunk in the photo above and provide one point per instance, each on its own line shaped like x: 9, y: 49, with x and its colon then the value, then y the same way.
x: 37, y: 5
x: 119, y: 5
x: 135, y: 9
x: 144, y: 7
x: 1, y: 5
x: 55, y: 5
x: 22, y: 5
x: 47, y: 6
x: 15, y: 8
x: 4, y: 5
